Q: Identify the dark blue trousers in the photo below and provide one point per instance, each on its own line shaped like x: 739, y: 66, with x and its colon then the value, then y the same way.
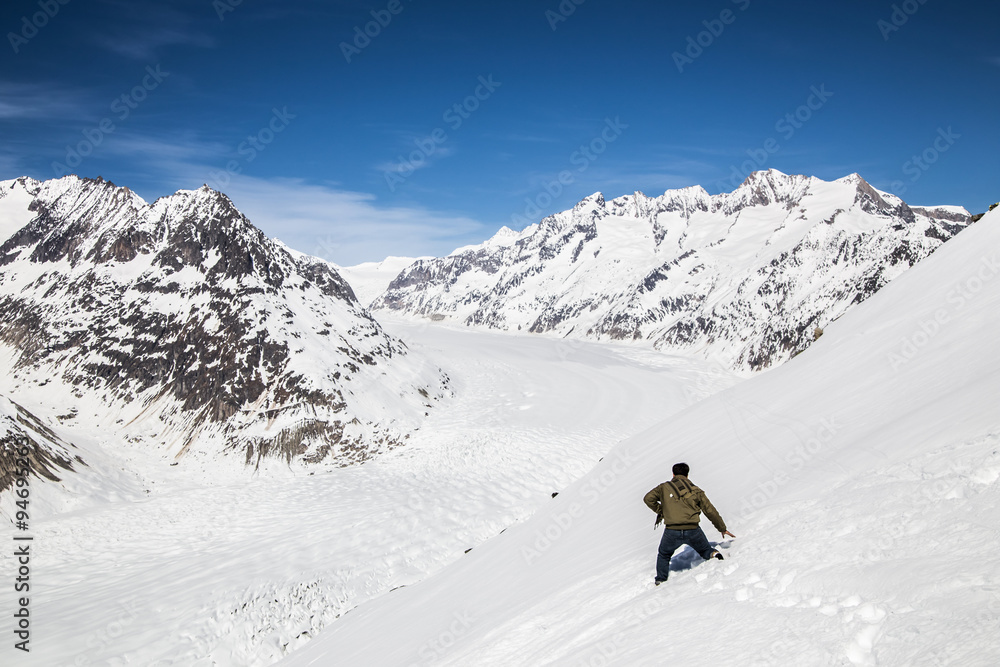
x: 672, y: 540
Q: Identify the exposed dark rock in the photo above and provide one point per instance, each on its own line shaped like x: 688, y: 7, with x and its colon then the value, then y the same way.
x: 185, y: 301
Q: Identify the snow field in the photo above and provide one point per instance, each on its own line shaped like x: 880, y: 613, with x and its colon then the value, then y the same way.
x: 863, y: 492
x: 198, y: 564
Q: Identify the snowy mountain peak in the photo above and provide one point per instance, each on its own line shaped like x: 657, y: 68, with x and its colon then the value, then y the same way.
x: 851, y: 179
x: 693, y: 193
x: 762, y: 188
x: 24, y: 182
x: 505, y: 236
x: 594, y: 201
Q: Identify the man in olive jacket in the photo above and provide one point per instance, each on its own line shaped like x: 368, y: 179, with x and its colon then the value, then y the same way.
x: 679, y: 503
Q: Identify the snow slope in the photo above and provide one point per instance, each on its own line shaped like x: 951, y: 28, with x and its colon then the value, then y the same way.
x: 370, y: 279
x: 861, y: 480
x: 14, y: 211
x: 176, y: 568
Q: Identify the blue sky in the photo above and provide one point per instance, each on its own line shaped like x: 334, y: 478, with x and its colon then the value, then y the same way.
x: 357, y: 130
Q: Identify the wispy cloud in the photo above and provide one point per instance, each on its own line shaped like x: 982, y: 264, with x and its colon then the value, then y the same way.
x: 417, y: 151
x: 615, y: 177
x: 407, y: 163
x: 623, y: 177
x: 339, y: 225
x: 146, y: 45
x: 348, y: 227
x: 180, y: 154
x: 140, y: 29
x: 37, y: 101
x: 526, y: 138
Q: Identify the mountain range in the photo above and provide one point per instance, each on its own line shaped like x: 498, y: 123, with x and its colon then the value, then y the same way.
x: 181, y: 325
x: 749, y: 277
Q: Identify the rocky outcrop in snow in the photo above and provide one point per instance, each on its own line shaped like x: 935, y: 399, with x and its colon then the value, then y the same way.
x: 29, y: 449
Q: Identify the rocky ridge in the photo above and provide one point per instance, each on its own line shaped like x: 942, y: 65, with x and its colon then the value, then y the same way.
x: 749, y: 277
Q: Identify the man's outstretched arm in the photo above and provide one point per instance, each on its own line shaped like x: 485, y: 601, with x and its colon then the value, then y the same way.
x: 714, y: 516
